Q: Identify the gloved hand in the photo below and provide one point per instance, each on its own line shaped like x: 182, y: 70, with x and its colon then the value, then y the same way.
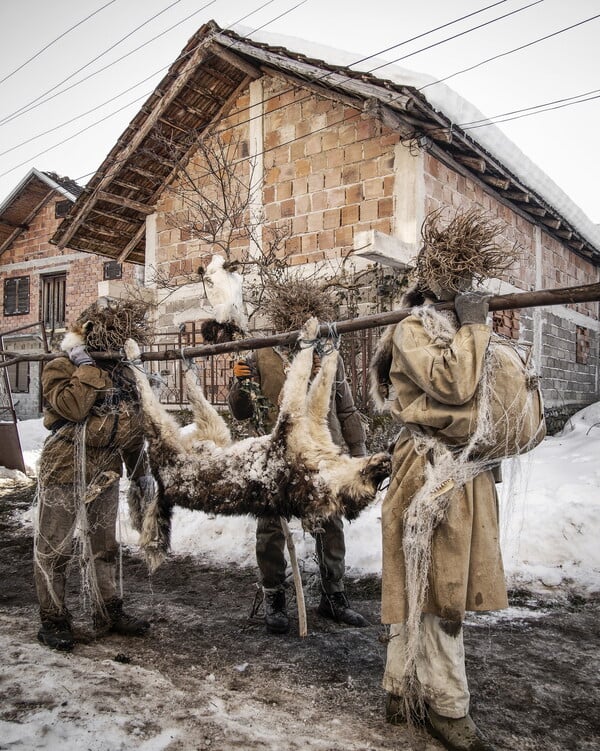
x: 80, y: 356
x: 472, y: 307
x: 242, y: 370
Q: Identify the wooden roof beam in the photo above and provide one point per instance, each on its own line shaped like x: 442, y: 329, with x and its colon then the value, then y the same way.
x: 566, y: 234
x: 132, y: 243
x: 113, y: 217
x: 473, y: 162
x: 169, y: 124
x: 502, y: 183
x: 336, y: 96
x: 145, y: 173
x: 551, y: 222
x: 131, y: 186
x: 127, y: 203
x: 120, y: 159
x: 517, y: 195
x: 536, y: 211
x: 236, y: 61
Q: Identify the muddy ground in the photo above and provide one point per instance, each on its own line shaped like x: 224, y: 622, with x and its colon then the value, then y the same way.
x: 210, y: 675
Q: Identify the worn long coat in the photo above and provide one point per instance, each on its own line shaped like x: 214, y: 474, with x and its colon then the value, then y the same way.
x: 73, y: 395
x: 466, y: 572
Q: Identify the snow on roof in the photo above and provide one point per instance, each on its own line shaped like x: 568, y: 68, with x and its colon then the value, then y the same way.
x: 458, y: 110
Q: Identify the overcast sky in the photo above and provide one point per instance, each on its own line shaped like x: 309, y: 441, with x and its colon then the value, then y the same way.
x: 562, y: 141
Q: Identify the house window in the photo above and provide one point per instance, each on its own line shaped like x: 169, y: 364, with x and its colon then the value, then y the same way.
x: 16, y: 296
x: 53, y: 301
x: 18, y: 377
x: 112, y: 270
x: 61, y: 209
x: 582, y: 345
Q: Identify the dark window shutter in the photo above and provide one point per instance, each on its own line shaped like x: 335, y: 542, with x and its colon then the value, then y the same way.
x: 112, y: 270
x: 61, y: 208
x: 16, y: 296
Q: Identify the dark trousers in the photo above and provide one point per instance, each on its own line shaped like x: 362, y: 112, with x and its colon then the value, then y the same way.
x: 330, y: 549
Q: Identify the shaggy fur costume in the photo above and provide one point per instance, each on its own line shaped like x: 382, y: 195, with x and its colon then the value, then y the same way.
x: 296, y: 470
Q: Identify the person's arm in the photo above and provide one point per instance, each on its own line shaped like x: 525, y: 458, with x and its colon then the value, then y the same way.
x: 353, y: 430
x: 71, y: 392
x: 239, y: 398
x: 447, y: 371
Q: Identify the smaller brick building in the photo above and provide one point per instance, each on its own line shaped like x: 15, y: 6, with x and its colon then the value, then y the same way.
x: 43, y: 288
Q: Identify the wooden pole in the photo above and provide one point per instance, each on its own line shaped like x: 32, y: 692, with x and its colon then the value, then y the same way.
x: 514, y: 300
x: 289, y: 540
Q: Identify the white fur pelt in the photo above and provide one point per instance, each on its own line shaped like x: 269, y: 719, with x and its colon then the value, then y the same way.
x: 297, y: 470
x: 224, y: 292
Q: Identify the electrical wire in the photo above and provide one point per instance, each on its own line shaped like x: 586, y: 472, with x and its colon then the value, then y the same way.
x: 264, y: 101
x: 34, y: 103
x: 58, y: 38
x: 510, y: 52
x: 456, y: 36
x: 467, y: 125
x: 503, y: 119
x: 486, y: 120
x: 69, y: 138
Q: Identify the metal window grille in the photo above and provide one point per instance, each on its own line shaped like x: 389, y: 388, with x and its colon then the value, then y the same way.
x: 18, y: 377
x: 53, y: 301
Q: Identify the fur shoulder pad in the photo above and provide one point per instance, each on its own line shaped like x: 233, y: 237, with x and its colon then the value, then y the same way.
x: 71, y: 339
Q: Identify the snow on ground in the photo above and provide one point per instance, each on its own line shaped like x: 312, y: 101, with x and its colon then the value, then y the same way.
x: 550, y: 510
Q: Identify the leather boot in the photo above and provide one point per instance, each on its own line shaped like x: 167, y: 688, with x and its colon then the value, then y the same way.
x: 56, y: 633
x: 394, y: 710
x: 337, y: 607
x: 456, y: 734
x: 276, y: 617
x: 117, y: 621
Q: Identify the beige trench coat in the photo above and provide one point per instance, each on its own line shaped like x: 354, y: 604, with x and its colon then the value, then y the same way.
x: 466, y: 571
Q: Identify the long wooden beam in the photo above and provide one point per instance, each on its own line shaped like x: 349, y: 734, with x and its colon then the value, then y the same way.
x: 512, y: 301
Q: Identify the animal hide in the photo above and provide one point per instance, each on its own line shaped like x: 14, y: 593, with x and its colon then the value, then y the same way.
x: 224, y: 292
x: 296, y: 470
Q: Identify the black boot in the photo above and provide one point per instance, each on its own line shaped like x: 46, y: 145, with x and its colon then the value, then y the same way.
x: 276, y: 617
x: 456, y: 734
x: 336, y: 607
x: 56, y: 633
x: 394, y: 710
x: 117, y: 621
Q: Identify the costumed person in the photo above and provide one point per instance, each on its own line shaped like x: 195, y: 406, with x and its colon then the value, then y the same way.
x: 92, y: 410
x: 451, y: 385
x: 254, y: 395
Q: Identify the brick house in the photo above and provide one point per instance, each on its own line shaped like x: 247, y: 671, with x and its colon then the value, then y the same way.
x: 43, y: 288
x: 351, y: 163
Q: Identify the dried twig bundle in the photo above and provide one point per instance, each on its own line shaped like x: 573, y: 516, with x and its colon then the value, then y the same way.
x: 108, y: 323
x: 291, y: 301
x: 463, y: 249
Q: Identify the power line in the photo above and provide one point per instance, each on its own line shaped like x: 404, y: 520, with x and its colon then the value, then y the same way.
x: 467, y: 126
x: 542, y: 108
x: 406, y: 41
x: 34, y: 103
x: 509, y: 52
x: 323, y: 77
x: 431, y: 31
x: 58, y: 38
x: 456, y: 36
x: 120, y: 109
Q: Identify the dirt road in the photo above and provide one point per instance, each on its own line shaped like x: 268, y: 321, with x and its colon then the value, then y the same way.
x: 209, y: 677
